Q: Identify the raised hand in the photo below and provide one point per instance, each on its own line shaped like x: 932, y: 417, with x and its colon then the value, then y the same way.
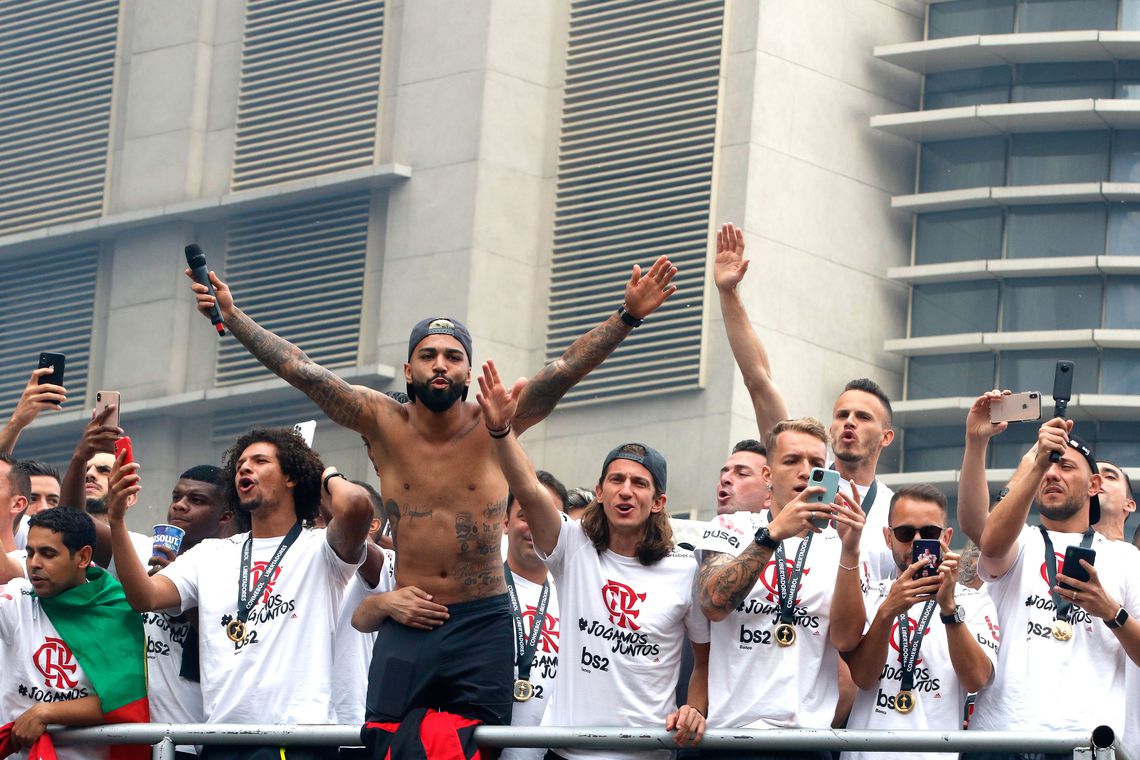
x: 908, y: 591
x: 978, y: 425
x: 36, y: 398
x: 224, y: 300
x: 948, y: 573
x: 498, y: 404
x: 729, y: 265
x: 121, y: 486
x: 849, y: 519
x: 98, y: 436
x: 1052, y: 436
x: 644, y: 293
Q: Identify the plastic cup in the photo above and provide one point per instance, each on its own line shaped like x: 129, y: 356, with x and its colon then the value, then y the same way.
x: 167, y: 536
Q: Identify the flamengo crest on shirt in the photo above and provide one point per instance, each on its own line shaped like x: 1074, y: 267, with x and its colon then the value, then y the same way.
x: 56, y: 663
x: 622, y: 601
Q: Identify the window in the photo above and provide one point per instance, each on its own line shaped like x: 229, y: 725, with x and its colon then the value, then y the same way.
x: 949, y: 375
x: 1052, y: 303
x: 968, y: 87
x: 956, y: 164
x: 970, y: 17
x: 1063, y: 15
x: 957, y: 307
x: 1122, y: 302
x: 1126, y: 157
x: 1124, y: 229
x: 1063, y: 81
x: 1033, y: 370
x: 1059, y: 157
x: 959, y: 236
x: 1068, y: 230
x: 933, y: 448
x: 1121, y: 371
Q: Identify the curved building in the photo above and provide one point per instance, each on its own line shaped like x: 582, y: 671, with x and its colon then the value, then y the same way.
x: 1026, y: 230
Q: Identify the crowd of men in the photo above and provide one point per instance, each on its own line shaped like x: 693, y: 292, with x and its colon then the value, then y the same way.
x: 474, y: 589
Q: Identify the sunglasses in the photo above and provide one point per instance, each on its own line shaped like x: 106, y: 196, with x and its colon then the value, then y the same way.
x: 905, y: 533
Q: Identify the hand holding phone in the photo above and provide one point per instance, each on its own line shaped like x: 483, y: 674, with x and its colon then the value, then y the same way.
x: 929, y: 550
x: 1072, y: 566
x: 105, y: 399
x: 829, y: 479
x: 1018, y: 407
x: 124, y: 444
x: 57, y: 363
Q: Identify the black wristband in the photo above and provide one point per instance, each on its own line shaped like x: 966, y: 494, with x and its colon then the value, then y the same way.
x: 501, y: 432
x: 764, y: 538
x: 330, y: 476
x: 628, y: 318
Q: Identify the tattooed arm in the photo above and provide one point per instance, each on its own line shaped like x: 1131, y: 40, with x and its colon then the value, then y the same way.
x: 724, y: 581
x: 344, y: 404
x: 642, y: 297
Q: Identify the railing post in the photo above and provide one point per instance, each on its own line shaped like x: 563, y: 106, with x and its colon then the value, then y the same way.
x: 164, y: 750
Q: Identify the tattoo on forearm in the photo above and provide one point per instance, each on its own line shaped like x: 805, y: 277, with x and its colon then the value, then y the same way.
x: 724, y: 582
x: 332, y: 394
x: 583, y: 355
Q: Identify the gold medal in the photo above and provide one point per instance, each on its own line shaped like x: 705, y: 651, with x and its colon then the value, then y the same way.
x: 524, y: 690
x: 904, y: 702
x: 235, y: 630
x: 1062, y: 630
x: 785, y: 635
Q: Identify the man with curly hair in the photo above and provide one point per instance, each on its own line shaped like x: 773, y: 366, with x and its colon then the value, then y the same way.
x: 267, y: 599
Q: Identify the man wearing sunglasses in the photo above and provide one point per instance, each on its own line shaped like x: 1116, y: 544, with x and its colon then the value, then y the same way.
x: 1064, y: 647
x: 930, y: 641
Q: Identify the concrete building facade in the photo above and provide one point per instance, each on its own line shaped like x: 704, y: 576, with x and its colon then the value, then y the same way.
x: 351, y: 167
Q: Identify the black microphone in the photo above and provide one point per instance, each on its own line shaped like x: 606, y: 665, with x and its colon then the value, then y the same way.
x: 196, y: 260
x: 1062, y: 393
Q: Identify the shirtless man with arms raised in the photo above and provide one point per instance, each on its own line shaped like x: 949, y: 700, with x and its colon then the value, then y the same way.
x: 444, y: 493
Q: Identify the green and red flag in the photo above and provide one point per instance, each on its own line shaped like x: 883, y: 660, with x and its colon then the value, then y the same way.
x: 106, y: 636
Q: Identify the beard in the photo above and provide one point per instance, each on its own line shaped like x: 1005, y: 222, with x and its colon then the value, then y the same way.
x: 437, y: 399
x: 1062, y: 511
x: 252, y: 505
x: 96, y: 506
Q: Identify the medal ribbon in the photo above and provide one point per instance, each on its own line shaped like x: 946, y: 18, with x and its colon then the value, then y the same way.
x: 1064, y: 606
x: 789, y: 587
x: 526, y: 646
x: 868, y: 499
x: 247, y: 599
x: 909, y: 646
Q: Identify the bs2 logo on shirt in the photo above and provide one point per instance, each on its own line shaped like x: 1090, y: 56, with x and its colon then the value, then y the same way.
x: 621, y: 601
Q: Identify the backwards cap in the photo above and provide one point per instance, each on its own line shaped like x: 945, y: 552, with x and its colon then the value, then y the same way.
x: 652, y: 461
x: 440, y: 326
x: 1086, y: 451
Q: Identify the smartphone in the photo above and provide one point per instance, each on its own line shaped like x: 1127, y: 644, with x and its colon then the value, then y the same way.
x: 829, y: 479
x: 306, y: 430
x: 57, y: 362
x: 104, y: 399
x: 1073, y: 567
x: 1020, y: 407
x: 924, y: 547
x: 124, y: 444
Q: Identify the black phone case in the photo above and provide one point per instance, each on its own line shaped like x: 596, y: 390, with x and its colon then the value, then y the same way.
x: 1072, y: 566
x: 58, y: 362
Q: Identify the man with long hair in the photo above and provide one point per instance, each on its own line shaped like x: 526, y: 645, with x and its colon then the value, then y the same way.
x: 621, y: 580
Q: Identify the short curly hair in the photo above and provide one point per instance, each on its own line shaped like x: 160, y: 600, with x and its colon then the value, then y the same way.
x: 298, y: 462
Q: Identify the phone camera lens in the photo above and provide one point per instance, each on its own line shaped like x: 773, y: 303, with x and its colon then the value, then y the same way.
x: 817, y: 476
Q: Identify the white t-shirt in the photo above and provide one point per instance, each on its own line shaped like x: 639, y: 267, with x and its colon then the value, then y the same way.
x: 144, y: 548
x: 544, y: 668
x: 21, y: 557
x: 173, y: 699
x: 22, y: 532
x: 939, y: 696
x: 352, y: 650
x: 754, y: 682
x: 1033, y: 667
x: 281, y: 671
x: 628, y: 625
x: 872, y: 546
x: 38, y: 664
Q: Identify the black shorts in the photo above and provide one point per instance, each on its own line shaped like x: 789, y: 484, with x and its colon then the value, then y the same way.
x: 465, y: 666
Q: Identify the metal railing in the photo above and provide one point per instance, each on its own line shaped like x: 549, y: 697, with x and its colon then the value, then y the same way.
x: 1100, y: 743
